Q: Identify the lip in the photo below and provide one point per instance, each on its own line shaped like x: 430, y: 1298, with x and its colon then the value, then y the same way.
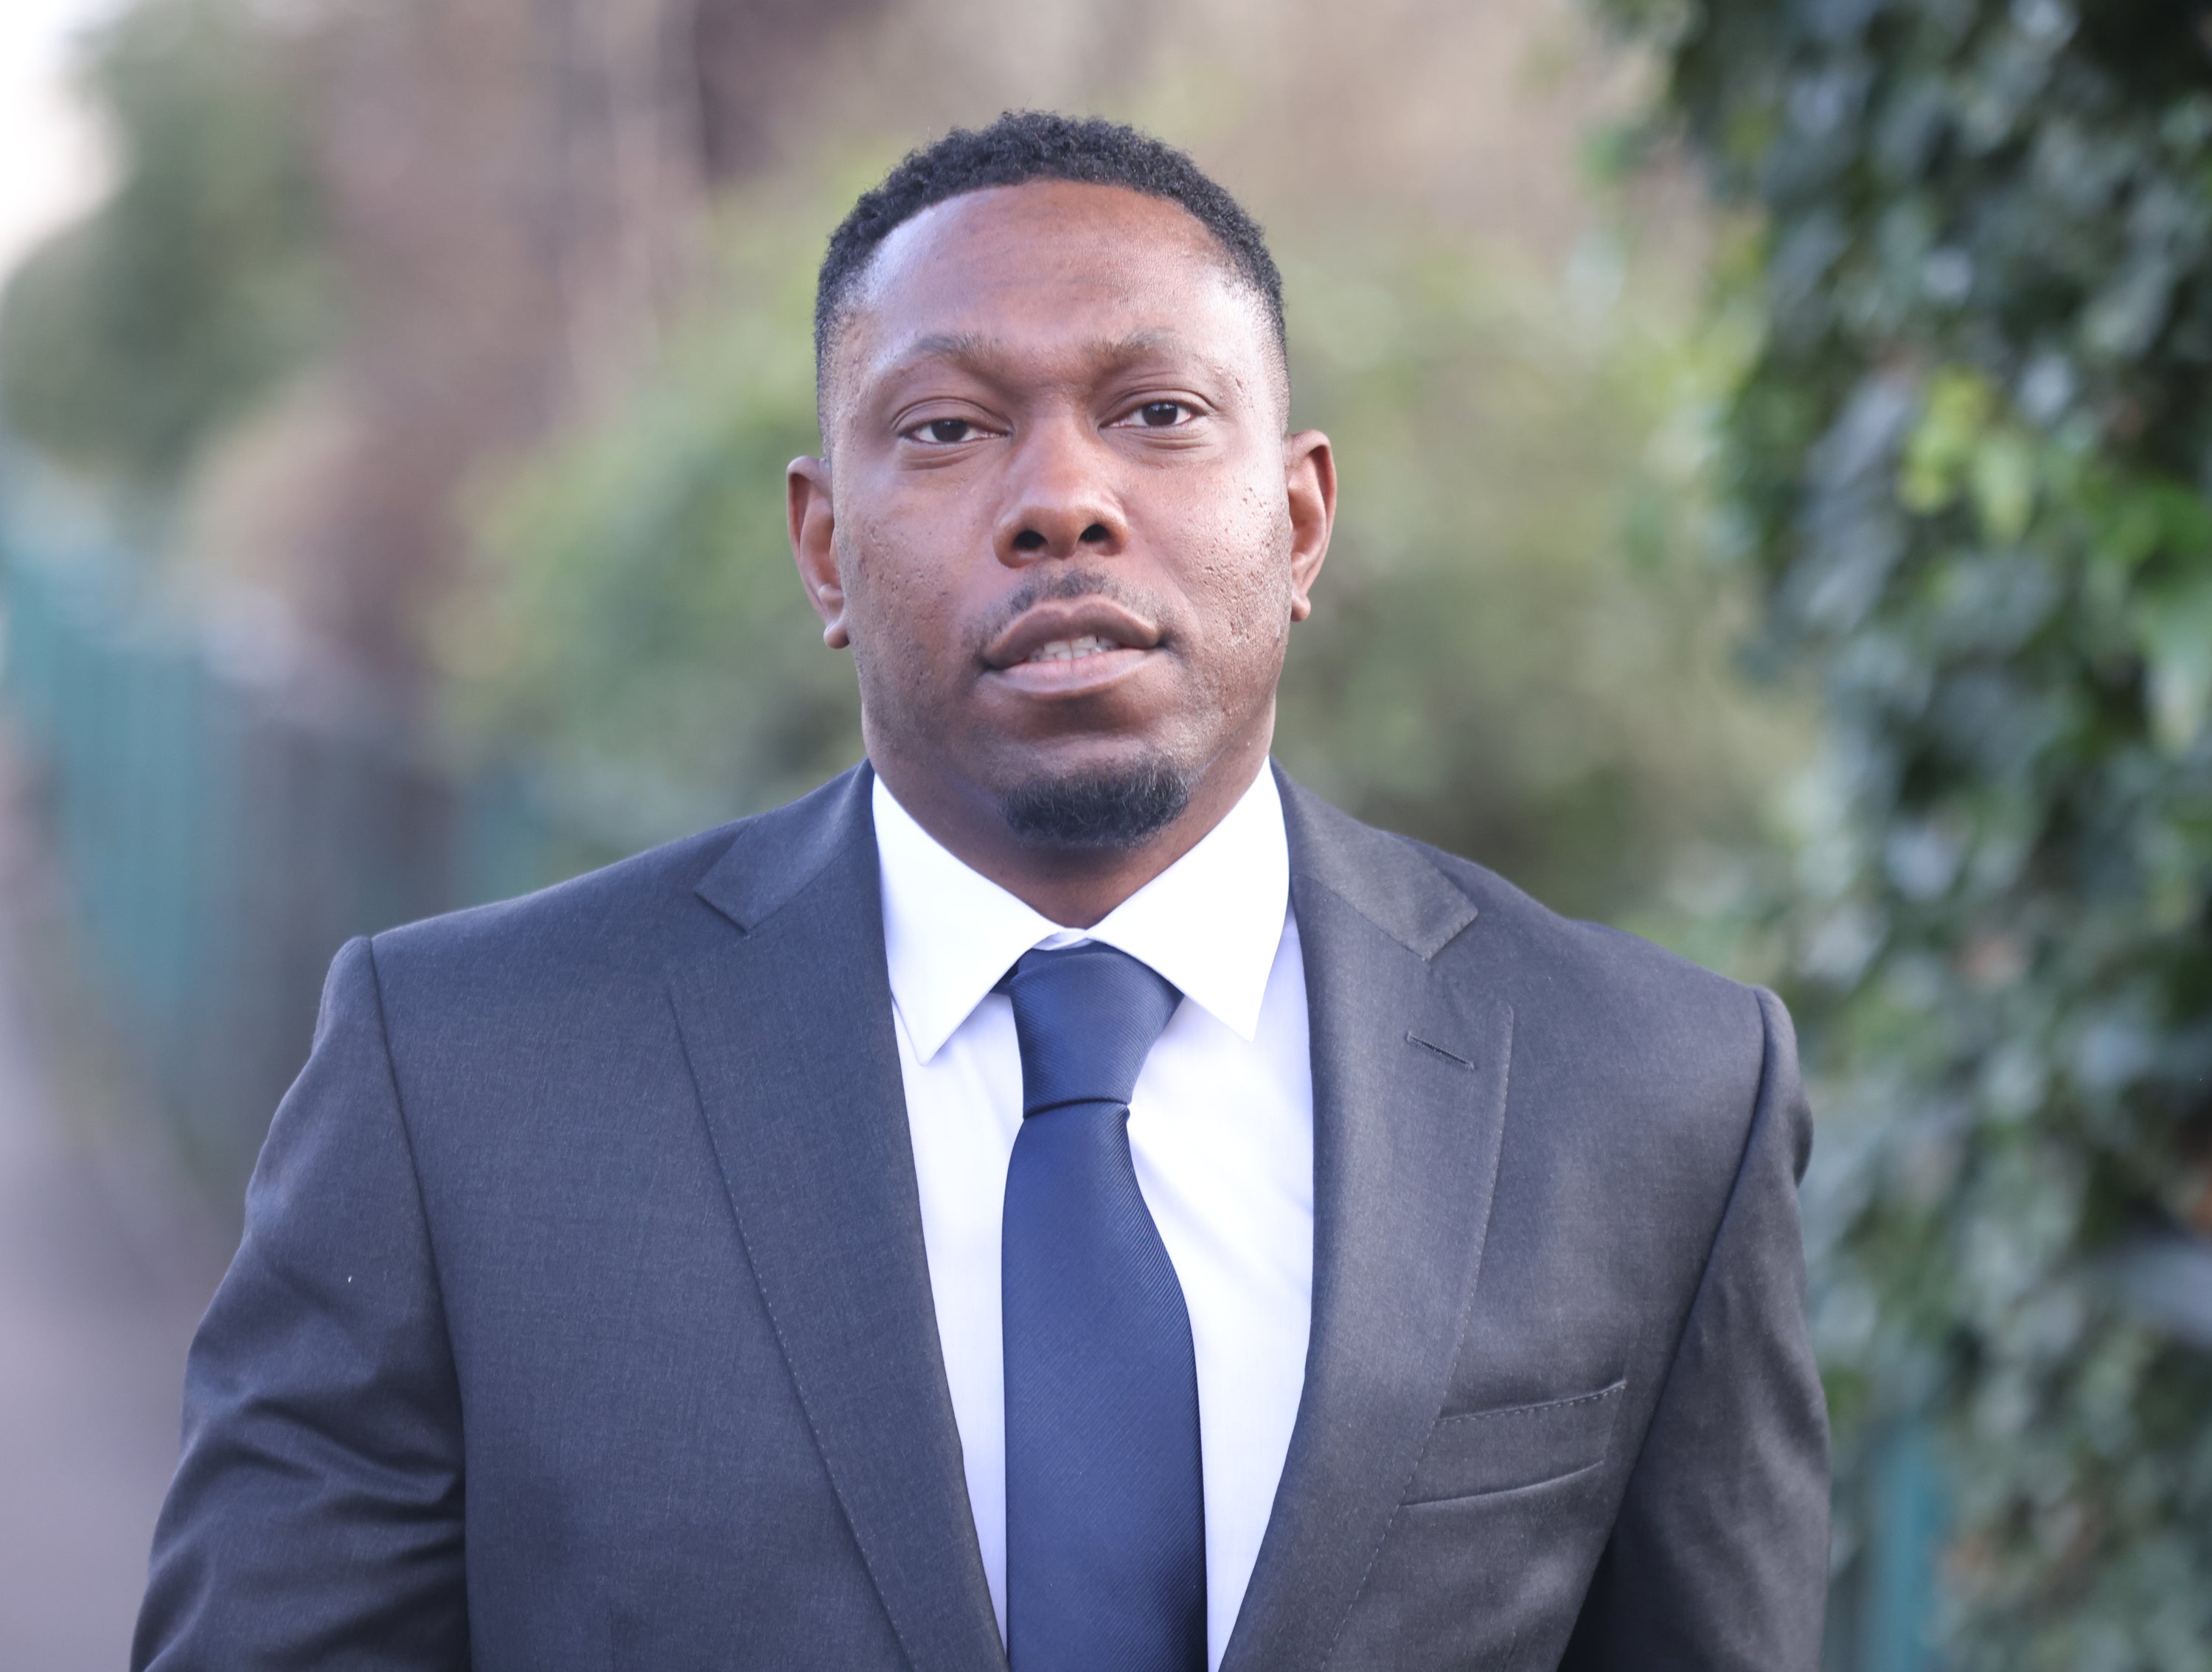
x: 1130, y: 641
x: 1073, y: 675
x: 1068, y: 618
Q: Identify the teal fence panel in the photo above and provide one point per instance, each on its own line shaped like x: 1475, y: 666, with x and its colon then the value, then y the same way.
x: 1892, y: 1514
x: 220, y: 838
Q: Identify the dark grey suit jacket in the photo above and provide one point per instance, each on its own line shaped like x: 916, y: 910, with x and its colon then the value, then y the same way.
x: 583, y: 1320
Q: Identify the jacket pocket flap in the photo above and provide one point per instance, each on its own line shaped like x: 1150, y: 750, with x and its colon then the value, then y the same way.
x: 1516, y: 1446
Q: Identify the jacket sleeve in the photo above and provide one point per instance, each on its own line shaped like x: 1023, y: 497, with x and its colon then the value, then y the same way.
x: 315, y: 1518
x: 1718, y: 1561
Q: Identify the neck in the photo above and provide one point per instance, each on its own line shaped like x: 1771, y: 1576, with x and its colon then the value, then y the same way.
x: 1074, y: 887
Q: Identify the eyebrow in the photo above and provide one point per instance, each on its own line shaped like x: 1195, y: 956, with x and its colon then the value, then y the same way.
x: 987, y: 354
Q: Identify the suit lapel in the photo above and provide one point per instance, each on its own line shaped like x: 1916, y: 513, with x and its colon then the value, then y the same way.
x: 1409, y: 1094
x: 785, y: 1015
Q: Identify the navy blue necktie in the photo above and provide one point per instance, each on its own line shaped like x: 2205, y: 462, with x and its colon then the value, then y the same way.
x: 1105, y: 1504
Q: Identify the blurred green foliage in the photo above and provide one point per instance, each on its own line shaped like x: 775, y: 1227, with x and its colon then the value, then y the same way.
x: 1502, y: 658
x: 1512, y: 653
x: 635, y: 638
x: 1973, y: 452
x: 128, y: 341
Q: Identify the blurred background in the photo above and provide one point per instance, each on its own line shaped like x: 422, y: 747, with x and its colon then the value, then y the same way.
x: 1775, y: 455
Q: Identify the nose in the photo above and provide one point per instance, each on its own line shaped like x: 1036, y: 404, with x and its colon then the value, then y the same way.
x: 1061, y: 500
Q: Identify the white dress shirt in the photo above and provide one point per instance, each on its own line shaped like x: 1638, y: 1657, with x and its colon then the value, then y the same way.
x: 1220, y: 1125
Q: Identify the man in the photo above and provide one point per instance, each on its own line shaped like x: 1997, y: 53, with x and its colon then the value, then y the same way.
x: 1059, y: 1193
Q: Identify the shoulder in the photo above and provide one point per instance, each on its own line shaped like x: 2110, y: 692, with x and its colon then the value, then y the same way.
x: 1602, y: 978
x: 1607, y: 1027
x: 620, y: 924
x: 604, y: 919
x: 1620, y: 1031
x: 1475, y: 925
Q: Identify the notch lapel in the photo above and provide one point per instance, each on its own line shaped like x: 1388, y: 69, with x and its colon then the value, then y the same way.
x: 786, y: 1016
x: 1409, y: 1077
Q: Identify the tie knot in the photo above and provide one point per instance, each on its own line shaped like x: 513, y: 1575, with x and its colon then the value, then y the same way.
x: 1086, y: 1017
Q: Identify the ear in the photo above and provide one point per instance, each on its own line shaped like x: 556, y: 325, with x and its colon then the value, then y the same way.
x: 1310, y: 478
x: 814, y: 522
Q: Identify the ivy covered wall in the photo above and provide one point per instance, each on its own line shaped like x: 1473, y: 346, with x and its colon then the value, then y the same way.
x: 1971, y: 457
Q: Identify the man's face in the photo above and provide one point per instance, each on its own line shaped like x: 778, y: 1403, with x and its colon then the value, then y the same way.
x: 1060, y: 525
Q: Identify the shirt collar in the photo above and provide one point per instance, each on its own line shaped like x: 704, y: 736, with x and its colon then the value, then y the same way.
x: 1211, y: 922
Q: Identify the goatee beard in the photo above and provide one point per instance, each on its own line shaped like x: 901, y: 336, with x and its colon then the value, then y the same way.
x: 1119, y: 809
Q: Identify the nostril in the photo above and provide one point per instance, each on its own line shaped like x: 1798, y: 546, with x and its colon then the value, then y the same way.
x: 1094, y: 535
x: 1029, y: 540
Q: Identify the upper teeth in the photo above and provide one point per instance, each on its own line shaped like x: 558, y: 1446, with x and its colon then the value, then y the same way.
x: 1061, y: 650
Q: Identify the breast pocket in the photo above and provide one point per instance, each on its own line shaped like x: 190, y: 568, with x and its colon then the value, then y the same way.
x: 1474, y: 1452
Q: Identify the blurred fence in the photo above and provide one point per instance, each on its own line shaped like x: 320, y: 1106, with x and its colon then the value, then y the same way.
x: 1889, y: 1526
x: 222, y: 825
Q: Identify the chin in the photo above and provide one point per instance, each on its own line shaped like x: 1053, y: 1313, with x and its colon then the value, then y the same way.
x: 1119, y: 804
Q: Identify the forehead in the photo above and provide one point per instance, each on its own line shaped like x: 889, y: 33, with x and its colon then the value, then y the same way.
x: 1045, y: 267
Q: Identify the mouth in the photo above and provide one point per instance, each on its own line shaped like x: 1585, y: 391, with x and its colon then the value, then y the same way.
x: 1070, y: 650
x: 1069, y: 646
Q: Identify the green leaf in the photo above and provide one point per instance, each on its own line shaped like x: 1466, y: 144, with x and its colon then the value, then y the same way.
x: 2003, y: 482
x: 1943, y: 445
x: 2173, y: 625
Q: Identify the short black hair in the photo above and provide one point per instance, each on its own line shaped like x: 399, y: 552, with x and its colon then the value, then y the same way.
x: 1025, y: 145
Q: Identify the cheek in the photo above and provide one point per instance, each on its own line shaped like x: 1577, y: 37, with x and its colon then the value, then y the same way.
x: 878, y: 611
x: 881, y: 581
x: 902, y: 610
x: 1241, y: 579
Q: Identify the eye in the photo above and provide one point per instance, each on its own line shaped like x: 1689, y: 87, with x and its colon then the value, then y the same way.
x: 1160, y: 415
x: 944, y: 432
